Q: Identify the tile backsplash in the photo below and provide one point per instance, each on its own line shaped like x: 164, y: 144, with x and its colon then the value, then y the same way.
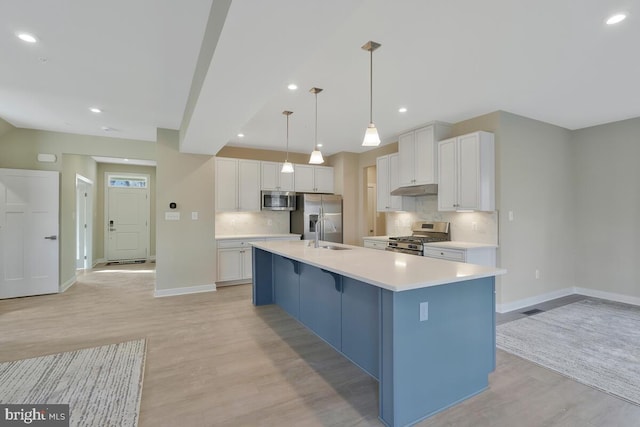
x: 263, y: 222
x: 474, y: 227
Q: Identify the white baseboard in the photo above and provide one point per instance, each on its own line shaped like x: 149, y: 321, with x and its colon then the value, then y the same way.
x: 99, y: 261
x: 184, y: 291
x: 627, y: 299
x: 516, y: 305
x: 66, y: 285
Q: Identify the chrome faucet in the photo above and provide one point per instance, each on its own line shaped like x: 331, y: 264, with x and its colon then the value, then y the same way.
x: 318, y: 225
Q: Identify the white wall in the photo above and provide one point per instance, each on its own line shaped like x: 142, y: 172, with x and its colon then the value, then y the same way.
x: 185, y: 249
x: 607, y: 204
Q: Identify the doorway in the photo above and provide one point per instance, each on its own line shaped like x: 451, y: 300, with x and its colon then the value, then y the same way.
x: 84, y: 222
x: 126, y: 217
x: 376, y: 221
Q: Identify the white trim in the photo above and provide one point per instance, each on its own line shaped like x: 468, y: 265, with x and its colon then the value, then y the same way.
x: 89, y: 221
x: 184, y: 291
x: 66, y: 285
x: 607, y: 295
x: 526, y: 302
x: 594, y: 293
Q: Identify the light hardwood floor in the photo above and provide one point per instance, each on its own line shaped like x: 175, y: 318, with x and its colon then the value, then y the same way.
x: 215, y: 360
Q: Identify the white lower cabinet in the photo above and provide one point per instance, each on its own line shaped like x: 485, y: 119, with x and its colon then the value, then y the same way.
x: 235, y: 260
x: 375, y: 243
x: 478, y: 255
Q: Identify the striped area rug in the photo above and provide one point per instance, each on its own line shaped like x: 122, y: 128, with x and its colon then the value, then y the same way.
x: 593, y: 342
x: 102, y: 385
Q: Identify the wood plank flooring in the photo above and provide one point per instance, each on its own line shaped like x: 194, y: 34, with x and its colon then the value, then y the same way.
x: 215, y: 360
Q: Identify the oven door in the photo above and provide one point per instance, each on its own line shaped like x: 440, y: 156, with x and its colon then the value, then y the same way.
x: 403, y: 251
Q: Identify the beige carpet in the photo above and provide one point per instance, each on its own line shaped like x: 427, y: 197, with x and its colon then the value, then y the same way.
x: 594, y: 342
x: 102, y: 385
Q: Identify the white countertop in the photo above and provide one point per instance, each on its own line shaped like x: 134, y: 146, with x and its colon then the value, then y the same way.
x: 389, y: 270
x: 459, y: 245
x: 254, y: 236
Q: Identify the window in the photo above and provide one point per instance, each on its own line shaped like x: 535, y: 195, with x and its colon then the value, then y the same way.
x: 127, y: 181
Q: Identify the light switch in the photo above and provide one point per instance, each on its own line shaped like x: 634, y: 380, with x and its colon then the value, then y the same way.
x: 172, y: 216
x: 194, y: 215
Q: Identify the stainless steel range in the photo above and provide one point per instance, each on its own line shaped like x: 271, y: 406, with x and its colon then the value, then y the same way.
x: 423, y: 232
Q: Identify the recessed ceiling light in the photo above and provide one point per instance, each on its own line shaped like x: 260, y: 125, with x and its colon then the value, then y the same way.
x: 241, y: 135
x: 26, y: 37
x: 402, y: 110
x: 95, y: 110
x: 292, y: 86
x: 126, y: 160
x: 617, y: 18
x: 106, y: 128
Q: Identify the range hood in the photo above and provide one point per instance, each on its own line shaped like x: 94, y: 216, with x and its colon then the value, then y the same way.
x: 416, y: 190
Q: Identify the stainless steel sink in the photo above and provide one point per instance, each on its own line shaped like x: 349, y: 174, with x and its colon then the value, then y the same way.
x: 335, y: 248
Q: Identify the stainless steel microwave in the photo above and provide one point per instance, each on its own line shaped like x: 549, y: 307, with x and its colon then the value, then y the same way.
x: 278, y: 201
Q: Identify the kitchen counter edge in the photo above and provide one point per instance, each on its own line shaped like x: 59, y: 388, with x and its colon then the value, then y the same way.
x: 396, y: 272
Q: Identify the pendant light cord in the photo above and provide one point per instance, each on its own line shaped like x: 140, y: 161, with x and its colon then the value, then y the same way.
x: 287, y: 158
x: 371, y: 86
x: 316, y: 134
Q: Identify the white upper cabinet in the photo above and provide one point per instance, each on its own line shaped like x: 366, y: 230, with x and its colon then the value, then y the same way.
x: 467, y: 173
x: 387, y: 180
x: 313, y: 179
x: 273, y: 179
x: 237, y: 185
x: 418, y: 154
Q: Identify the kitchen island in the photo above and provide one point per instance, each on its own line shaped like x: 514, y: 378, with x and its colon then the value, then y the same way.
x: 423, y: 327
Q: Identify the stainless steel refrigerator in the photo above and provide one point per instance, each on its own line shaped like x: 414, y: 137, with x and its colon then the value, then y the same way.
x: 308, y: 209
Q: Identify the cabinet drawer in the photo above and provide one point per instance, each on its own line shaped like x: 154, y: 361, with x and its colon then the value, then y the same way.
x: 375, y: 244
x: 448, y: 254
x: 237, y: 243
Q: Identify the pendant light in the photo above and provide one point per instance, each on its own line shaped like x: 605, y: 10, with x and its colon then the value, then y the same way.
x: 287, y: 167
x: 316, y: 155
x: 371, y: 137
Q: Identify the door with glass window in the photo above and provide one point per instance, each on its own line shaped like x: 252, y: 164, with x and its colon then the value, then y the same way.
x: 127, y: 219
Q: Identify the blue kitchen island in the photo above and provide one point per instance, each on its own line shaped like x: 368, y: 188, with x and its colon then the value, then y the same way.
x: 423, y: 327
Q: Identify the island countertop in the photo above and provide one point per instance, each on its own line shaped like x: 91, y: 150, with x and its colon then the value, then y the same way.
x: 388, y: 270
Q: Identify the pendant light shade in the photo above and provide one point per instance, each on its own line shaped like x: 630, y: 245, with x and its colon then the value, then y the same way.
x: 287, y: 167
x: 371, y: 137
x: 316, y: 156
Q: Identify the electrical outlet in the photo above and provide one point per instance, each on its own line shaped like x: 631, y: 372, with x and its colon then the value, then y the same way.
x: 269, y: 222
x: 194, y: 215
x: 537, y: 273
x: 510, y: 215
x: 424, y: 311
x: 474, y: 226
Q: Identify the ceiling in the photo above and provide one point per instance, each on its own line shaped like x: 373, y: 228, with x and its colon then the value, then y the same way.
x: 550, y: 60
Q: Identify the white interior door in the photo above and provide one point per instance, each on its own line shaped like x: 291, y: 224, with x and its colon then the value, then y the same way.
x: 84, y: 223
x: 29, y: 249
x: 127, y: 223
